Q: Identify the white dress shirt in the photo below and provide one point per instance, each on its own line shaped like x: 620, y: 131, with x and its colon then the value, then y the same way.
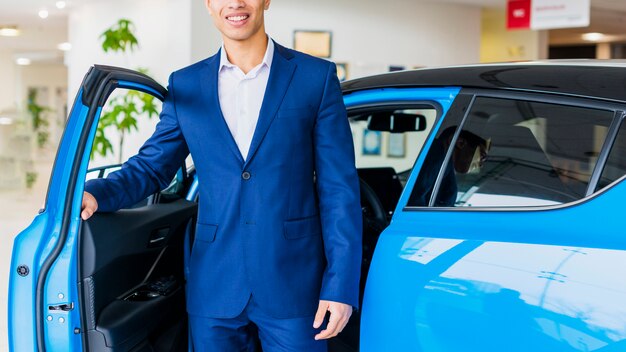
x: 241, y: 96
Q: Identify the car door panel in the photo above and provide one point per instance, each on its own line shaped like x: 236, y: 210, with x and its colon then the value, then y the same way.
x: 547, y: 286
x: 121, y: 255
x: 564, y: 299
x: 43, y: 281
x: 69, y: 281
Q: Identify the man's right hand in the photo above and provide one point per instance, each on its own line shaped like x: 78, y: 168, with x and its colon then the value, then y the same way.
x: 90, y: 205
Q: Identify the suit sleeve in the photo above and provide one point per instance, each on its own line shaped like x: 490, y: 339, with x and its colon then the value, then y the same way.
x: 151, y: 170
x: 338, y: 191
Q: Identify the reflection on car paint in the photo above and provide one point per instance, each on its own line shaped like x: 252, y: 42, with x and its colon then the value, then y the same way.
x: 492, y: 296
x: 423, y: 250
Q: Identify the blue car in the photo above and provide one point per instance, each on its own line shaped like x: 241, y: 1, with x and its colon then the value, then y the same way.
x: 491, y: 205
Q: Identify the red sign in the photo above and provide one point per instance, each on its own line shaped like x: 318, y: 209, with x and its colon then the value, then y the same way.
x: 518, y: 14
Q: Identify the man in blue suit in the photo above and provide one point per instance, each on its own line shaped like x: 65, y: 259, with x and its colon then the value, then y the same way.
x: 278, y: 240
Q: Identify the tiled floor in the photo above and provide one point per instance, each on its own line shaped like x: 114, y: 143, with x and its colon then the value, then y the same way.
x: 17, y: 210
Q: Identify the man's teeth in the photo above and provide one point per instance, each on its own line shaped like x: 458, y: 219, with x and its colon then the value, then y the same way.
x: 237, y: 18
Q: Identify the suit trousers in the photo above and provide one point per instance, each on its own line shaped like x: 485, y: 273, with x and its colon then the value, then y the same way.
x: 239, y: 333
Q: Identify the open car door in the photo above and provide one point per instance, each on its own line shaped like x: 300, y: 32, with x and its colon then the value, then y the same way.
x: 114, y: 282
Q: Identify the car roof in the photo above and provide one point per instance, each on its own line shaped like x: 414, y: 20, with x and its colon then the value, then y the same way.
x: 602, y: 79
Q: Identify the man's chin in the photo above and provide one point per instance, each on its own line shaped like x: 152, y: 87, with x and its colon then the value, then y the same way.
x: 239, y: 34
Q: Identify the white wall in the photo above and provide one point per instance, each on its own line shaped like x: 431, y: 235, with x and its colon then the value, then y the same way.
x: 163, y: 31
x: 374, y: 34
x: 175, y: 33
x: 8, y: 93
x: 52, y: 77
x: 369, y: 36
x: 205, y: 39
x: 37, y: 42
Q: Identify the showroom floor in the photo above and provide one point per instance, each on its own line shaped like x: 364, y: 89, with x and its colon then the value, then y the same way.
x: 17, y: 209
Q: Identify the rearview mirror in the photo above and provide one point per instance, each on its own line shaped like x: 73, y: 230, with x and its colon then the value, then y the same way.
x: 396, y: 122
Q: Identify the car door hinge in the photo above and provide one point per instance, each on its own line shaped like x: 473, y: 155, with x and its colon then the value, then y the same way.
x: 65, y: 307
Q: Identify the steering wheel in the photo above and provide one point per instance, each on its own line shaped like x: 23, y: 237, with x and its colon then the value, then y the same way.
x: 371, y: 205
x: 373, y: 211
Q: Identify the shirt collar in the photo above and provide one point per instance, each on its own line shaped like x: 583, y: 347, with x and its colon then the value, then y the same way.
x: 267, y: 58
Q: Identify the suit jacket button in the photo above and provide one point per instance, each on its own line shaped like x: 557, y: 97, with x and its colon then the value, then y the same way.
x: 246, y: 175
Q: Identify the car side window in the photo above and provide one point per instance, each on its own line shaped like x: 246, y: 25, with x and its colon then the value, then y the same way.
x: 391, y: 137
x: 517, y: 153
x: 615, y: 167
x: 387, y: 140
x: 128, y: 119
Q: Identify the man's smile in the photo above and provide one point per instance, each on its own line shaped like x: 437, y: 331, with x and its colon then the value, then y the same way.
x: 237, y: 19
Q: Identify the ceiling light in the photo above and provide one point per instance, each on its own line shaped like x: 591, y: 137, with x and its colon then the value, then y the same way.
x: 64, y: 46
x: 6, y: 121
x: 9, y: 31
x: 43, y: 13
x: 593, y: 37
x: 22, y: 61
x: 61, y: 5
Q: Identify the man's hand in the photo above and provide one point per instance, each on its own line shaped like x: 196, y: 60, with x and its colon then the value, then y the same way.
x: 90, y: 205
x: 339, y: 315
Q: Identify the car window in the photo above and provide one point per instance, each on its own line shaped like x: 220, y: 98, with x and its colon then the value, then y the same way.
x: 101, y: 171
x: 514, y: 153
x: 128, y: 119
x: 615, y: 167
x: 377, y: 147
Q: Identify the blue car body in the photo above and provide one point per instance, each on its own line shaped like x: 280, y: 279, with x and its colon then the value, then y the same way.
x: 511, y: 277
x: 540, y: 278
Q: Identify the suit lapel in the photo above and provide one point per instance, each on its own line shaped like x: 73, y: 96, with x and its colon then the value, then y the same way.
x: 210, y: 95
x: 281, y: 73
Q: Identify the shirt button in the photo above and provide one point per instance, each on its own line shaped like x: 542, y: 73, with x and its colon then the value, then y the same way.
x: 246, y: 175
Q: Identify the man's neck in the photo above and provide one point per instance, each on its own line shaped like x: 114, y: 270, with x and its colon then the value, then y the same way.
x: 246, y: 54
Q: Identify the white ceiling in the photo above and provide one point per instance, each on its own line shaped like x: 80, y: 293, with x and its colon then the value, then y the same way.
x: 38, y: 38
x: 24, y: 12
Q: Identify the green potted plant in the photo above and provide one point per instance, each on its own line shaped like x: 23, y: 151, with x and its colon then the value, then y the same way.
x: 123, y: 111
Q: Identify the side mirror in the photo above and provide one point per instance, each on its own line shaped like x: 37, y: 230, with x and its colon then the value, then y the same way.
x: 396, y: 122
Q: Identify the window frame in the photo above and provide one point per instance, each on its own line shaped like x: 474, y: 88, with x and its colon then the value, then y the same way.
x: 612, y: 134
x: 616, y: 107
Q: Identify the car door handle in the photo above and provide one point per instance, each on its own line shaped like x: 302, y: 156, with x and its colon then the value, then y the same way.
x: 158, y: 237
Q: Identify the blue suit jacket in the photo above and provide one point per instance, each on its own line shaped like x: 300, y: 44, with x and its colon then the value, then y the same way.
x: 290, y: 234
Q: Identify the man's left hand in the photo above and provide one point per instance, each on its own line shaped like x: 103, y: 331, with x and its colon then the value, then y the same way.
x: 339, y: 315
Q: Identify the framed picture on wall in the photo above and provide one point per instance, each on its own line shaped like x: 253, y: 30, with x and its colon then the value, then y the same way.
x: 371, y: 142
x: 342, y: 71
x: 316, y: 43
x: 397, y: 145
